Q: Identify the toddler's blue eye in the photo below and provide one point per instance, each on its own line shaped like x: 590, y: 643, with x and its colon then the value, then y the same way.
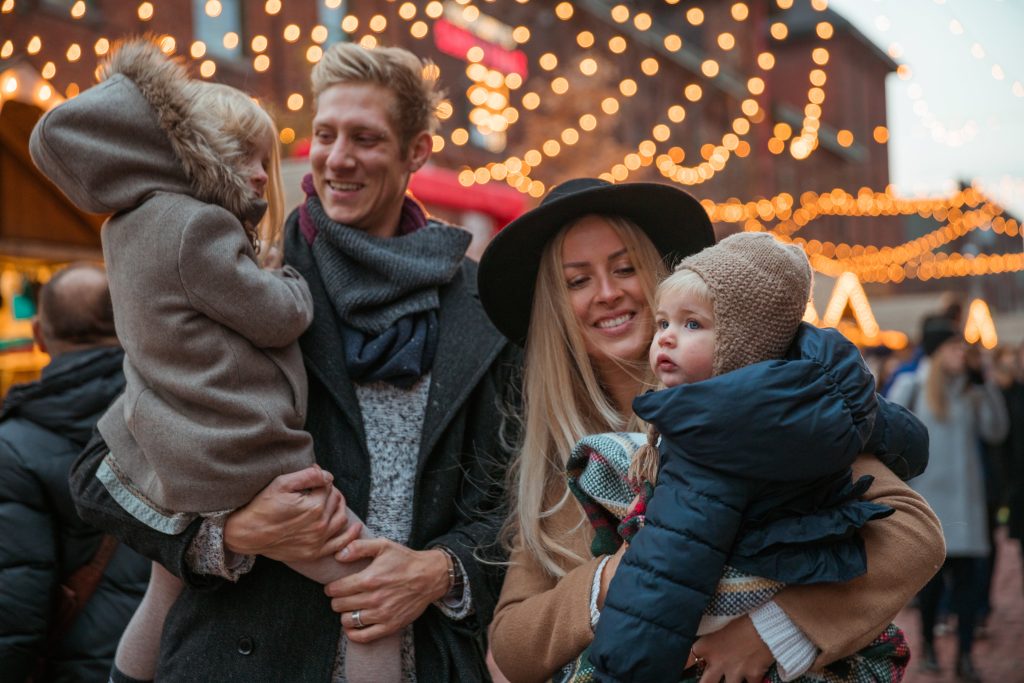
x: 662, y: 324
x: 692, y: 325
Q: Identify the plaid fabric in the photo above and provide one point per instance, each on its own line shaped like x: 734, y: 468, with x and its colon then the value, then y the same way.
x: 597, y: 470
x: 883, y: 660
x: 635, y: 517
x: 597, y: 473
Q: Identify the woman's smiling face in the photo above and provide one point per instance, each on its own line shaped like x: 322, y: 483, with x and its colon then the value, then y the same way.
x: 606, y: 293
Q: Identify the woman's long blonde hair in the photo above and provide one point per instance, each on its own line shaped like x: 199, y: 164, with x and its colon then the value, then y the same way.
x: 563, y: 397
x: 244, y: 127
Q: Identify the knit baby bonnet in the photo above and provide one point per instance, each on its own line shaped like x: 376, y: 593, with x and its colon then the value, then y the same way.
x: 760, y: 288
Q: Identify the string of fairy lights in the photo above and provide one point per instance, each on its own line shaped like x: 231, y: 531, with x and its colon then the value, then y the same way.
x: 960, y: 213
x: 498, y: 99
x: 516, y: 170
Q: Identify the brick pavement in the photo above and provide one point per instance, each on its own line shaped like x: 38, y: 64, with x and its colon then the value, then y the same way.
x: 999, y: 657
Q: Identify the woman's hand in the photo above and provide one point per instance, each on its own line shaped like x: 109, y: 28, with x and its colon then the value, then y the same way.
x: 735, y: 654
x: 392, y: 592
x: 297, y: 517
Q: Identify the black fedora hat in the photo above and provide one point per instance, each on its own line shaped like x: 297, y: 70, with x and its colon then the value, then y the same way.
x: 673, y: 220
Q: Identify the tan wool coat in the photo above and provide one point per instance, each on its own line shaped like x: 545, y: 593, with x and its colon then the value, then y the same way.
x: 541, y: 623
x: 216, y: 391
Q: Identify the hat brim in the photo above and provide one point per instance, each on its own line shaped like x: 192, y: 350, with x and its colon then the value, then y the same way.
x: 675, y: 222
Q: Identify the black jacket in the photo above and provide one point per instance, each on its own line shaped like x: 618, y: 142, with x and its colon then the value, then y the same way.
x: 43, y: 426
x: 274, y: 625
x: 755, y: 473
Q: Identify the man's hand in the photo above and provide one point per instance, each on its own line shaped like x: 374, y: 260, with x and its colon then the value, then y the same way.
x: 735, y: 654
x: 297, y: 517
x: 392, y: 592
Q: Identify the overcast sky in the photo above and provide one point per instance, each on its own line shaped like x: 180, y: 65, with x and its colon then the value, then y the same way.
x: 953, y: 118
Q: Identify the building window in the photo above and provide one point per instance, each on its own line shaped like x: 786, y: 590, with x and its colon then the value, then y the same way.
x: 212, y: 20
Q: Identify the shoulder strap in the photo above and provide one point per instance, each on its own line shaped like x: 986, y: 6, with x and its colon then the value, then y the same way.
x: 72, y: 597
x: 82, y: 584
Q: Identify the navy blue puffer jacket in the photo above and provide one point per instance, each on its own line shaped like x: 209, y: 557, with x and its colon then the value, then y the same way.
x: 43, y: 426
x: 755, y: 473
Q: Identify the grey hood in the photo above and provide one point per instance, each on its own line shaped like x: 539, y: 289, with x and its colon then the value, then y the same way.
x: 131, y: 135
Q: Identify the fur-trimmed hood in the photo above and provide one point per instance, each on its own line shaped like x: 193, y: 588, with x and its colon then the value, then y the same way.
x: 133, y: 134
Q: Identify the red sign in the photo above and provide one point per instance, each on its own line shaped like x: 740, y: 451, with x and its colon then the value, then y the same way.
x: 455, y: 41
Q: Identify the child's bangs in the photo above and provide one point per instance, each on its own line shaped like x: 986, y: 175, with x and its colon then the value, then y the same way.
x: 685, y: 283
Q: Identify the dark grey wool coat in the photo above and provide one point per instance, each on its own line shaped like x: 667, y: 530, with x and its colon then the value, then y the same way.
x: 274, y: 625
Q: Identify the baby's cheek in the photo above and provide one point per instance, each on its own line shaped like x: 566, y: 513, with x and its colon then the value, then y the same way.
x: 652, y: 352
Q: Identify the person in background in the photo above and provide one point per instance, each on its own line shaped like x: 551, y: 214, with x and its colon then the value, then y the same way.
x: 1008, y: 372
x: 952, y: 308
x: 43, y: 427
x: 960, y: 408
x: 992, y: 468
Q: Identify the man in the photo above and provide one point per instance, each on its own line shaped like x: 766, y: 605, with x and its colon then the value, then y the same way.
x: 406, y: 384
x: 43, y: 426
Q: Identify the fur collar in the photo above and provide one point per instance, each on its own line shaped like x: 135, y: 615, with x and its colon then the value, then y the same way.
x: 162, y: 82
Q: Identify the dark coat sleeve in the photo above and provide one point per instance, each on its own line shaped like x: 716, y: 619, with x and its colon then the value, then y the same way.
x: 656, y: 598
x: 482, y: 508
x: 899, y: 440
x: 28, y: 564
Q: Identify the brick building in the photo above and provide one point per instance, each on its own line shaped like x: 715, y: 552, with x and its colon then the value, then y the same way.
x: 736, y: 100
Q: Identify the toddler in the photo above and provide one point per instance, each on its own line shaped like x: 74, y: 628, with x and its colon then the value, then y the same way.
x: 759, y: 422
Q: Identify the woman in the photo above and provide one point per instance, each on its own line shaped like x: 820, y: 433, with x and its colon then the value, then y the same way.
x: 575, y: 287
x: 960, y: 409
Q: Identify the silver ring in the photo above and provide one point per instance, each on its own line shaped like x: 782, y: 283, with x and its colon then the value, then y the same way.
x: 356, y: 621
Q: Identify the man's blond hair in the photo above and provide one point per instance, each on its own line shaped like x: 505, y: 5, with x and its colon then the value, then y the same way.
x: 400, y: 71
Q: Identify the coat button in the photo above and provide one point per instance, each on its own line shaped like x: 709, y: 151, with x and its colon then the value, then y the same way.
x: 245, y: 645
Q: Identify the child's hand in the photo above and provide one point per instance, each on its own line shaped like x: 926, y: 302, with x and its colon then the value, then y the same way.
x: 274, y: 258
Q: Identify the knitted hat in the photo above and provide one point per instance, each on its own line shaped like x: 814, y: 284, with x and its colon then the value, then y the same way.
x: 760, y: 288
x: 936, y: 331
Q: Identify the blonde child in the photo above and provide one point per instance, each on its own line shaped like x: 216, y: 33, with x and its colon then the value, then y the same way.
x: 759, y: 421
x: 215, y: 401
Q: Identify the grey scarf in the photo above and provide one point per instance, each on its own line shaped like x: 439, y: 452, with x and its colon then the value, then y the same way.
x: 385, y: 292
